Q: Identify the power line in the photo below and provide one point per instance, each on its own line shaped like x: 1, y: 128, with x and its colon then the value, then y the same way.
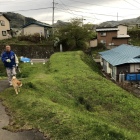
x: 31, y: 9
x: 85, y: 9
x: 69, y: 9
x: 63, y: 10
x: 137, y: 1
x: 17, y: 2
x: 96, y: 13
x: 131, y: 4
x: 65, y: 7
x: 101, y: 5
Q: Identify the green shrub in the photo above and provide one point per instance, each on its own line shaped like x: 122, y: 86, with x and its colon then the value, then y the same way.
x: 101, y: 46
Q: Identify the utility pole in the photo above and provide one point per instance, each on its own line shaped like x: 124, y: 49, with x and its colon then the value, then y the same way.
x: 53, y: 14
x: 53, y: 19
x: 83, y: 21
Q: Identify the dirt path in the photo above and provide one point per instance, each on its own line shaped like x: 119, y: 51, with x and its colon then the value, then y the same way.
x: 4, y: 121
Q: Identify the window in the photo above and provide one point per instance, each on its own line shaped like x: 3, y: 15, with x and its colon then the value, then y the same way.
x: 4, y: 33
x: 2, y: 23
x: 103, y: 41
x: 103, y: 33
x: 134, y: 67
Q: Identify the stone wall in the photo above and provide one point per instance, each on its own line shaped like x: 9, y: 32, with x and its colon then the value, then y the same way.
x: 31, y: 51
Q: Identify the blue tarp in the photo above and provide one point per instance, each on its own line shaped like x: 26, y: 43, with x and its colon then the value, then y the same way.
x: 25, y: 59
x: 131, y: 77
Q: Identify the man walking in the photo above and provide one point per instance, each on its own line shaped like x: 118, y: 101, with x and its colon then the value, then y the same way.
x: 10, y: 61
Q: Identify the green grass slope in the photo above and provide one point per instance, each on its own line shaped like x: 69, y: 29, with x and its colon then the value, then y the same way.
x: 68, y: 99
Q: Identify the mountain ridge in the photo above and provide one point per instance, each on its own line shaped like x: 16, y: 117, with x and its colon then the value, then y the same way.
x: 124, y: 21
x: 17, y: 21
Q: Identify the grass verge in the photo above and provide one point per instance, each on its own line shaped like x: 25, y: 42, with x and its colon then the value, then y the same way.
x: 68, y: 99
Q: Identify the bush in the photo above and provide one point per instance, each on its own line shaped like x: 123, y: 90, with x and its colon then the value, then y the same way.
x: 134, y: 34
x: 32, y: 38
x: 101, y: 46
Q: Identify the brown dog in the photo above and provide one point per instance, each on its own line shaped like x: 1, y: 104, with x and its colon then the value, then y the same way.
x: 16, y: 84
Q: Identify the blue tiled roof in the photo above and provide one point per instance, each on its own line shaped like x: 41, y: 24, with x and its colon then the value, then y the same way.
x: 122, y: 54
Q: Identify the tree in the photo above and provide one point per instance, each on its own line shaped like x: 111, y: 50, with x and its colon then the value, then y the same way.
x: 73, y: 36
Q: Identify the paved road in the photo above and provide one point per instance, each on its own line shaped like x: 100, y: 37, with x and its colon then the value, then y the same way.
x: 4, y: 121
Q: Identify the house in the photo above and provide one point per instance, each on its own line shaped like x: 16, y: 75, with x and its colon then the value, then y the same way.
x: 4, y: 27
x: 112, y: 36
x: 124, y: 59
x: 37, y: 27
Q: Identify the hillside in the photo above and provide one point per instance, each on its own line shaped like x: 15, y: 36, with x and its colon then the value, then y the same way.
x: 60, y: 23
x: 68, y: 99
x: 18, y: 20
x: 125, y: 21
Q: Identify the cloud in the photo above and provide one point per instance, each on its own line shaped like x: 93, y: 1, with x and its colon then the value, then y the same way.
x: 92, y: 10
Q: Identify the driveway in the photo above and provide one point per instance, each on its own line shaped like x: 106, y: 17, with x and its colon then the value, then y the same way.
x: 4, y: 121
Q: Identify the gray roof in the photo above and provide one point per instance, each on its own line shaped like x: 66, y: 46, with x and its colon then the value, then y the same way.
x: 122, y: 54
x: 39, y: 24
x: 107, y: 29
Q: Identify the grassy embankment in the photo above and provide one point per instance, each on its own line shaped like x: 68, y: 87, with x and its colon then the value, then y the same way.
x: 68, y: 99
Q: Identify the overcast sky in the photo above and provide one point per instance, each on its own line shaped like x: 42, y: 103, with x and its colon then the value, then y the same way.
x: 92, y: 11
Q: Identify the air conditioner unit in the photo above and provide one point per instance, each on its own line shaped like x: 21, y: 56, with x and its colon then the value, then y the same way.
x: 112, y: 44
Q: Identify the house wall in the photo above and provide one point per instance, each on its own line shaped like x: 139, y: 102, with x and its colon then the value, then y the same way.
x: 5, y: 28
x: 32, y: 29
x: 107, y: 38
x: 108, y: 68
x: 127, y: 69
x: 114, y: 73
x: 119, y: 41
x: 122, y: 30
x: 121, y: 69
x: 105, y: 65
x: 101, y: 61
x: 93, y: 43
